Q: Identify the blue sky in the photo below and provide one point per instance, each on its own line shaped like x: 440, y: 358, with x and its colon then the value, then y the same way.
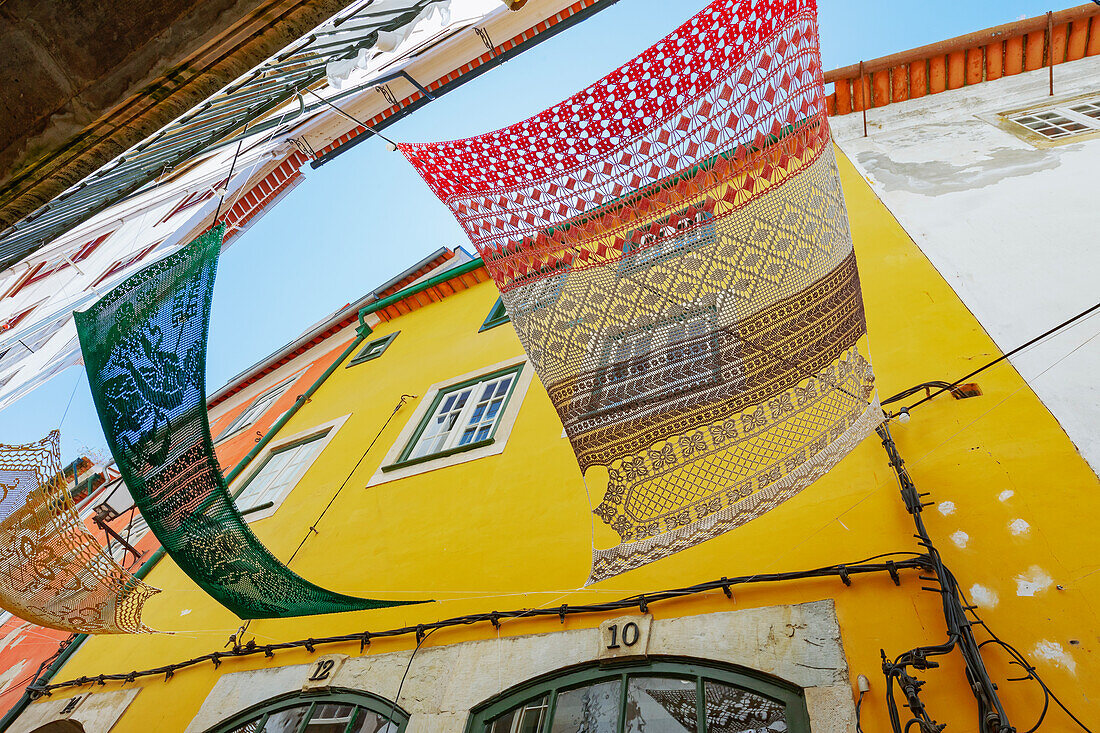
x: 365, y: 216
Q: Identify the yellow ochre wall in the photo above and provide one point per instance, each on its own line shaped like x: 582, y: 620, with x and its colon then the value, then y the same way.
x: 513, y: 530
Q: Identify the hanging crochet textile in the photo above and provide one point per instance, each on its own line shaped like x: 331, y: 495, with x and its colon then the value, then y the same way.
x: 144, y: 346
x: 672, y: 247
x: 53, y: 571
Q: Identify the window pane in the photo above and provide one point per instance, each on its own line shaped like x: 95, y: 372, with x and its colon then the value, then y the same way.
x: 592, y: 709
x: 279, y: 472
x: 493, y: 409
x: 526, y: 718
x: 369, y: 722
x: 733, y: 709
x: 286, y: 721
x: 332, y: 711
x: 252, y: 726
x: 660, y: 705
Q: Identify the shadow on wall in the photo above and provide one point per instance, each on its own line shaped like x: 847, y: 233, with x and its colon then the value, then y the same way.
x: 60, y: 726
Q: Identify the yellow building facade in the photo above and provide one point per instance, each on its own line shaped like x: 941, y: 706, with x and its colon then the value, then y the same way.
x: 500, y: 520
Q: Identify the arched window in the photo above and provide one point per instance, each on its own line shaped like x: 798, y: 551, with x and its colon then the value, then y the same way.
x: 331, y: 711
x: 688, y: 696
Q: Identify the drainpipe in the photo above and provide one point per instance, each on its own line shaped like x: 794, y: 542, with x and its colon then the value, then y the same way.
x: 362, y: 332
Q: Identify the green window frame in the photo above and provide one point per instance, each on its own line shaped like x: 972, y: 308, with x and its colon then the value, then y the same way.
x: 498, y: 316
x: 372, y: 349
x: 254, y: 719
x: 542, y: 693
x: 467, y: 417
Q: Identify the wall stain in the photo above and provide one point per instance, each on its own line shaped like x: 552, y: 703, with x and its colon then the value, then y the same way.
x: 935, y: 178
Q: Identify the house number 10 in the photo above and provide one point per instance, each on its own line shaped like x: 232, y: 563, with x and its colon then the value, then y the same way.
x: 630, y: 635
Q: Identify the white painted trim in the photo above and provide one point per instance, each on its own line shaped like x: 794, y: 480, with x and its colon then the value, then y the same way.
x: 332, y: 426
x: 500, y: 439
x: 289, y: 381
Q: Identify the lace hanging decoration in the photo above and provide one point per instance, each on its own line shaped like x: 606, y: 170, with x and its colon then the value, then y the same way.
x: 673, y: 249
x: 53, y: 571
x: 144, y: 346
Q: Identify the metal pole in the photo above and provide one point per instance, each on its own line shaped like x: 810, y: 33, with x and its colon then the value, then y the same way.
x: 863, y: 97
x: 1050, y: 49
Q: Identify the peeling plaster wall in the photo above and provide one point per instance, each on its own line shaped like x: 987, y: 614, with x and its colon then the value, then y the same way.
x: 1011, y: 226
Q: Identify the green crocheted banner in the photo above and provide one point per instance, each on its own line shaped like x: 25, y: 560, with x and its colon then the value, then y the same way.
x: 144, y: 346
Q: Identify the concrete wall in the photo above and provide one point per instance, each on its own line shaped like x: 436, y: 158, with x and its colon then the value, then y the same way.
x: 1011, y: 225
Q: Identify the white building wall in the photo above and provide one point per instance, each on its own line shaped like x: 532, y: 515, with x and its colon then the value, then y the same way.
x: 1012, y: 225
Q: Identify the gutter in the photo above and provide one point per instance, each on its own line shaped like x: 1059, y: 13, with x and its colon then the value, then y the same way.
x: 996, y: 34
x: 337, y: 320
x: 146, y: 567
x: 474, y: 264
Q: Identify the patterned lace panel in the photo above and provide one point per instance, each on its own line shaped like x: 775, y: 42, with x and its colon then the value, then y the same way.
x: 144, y: 345
x: 674, y: 253
x: 53, y: 571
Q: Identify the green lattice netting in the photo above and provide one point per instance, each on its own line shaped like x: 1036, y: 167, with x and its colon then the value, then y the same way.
x: 144, y: 346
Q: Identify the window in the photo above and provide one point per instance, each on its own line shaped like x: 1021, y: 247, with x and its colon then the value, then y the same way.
x: 194, y: 199
x: 256, y: 410
x: 373, y: 349
x: 498, y: 315
x: 79, y: 255
x: 341, y: 711
x: 1061, y: 121
x: 671, y: 697
x: 465, y: 418
x: 280, y: 472
x: 124, y: 263
x: 462, y: 417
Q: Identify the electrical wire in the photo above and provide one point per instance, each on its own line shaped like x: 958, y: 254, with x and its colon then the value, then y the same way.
x: 642, y: 601
x: 999, y: 359
x: 420, y: 639
x: 313, y: 527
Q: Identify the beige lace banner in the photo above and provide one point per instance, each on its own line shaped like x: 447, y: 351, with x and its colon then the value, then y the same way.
x: 53, y: 571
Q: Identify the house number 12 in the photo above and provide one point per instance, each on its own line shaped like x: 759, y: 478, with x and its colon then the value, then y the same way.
x: 630, y: 635
x: 321, y: 671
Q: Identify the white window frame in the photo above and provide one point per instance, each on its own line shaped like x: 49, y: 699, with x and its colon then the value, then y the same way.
x: 1064, y: 108
x: 388, y: 471
x: 469, y: 408
x: 327, y: 431
x: 243, y: 420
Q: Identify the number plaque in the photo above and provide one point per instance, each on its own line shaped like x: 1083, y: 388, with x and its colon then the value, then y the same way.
x: 627, y: 636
